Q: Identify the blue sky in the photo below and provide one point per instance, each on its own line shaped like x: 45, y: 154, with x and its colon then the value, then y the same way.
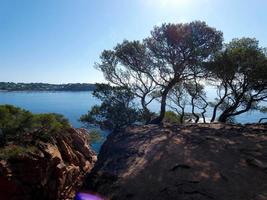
x: 58, y: 41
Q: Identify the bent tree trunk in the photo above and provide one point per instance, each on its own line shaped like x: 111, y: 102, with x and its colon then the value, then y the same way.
x: 262, y: 119
x: 193, y: 111
x: 146, y: 112
x: 218, y: 104
x: 223, y: 118
x: 230, y: 112
x: 164, y: 95
x: 182, y: 116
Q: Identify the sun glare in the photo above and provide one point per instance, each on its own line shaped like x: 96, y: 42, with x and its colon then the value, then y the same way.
x: 165, y: 3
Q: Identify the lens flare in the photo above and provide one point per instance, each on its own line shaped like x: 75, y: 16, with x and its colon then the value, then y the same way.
x: 166, y: 3
x: 87, y: 196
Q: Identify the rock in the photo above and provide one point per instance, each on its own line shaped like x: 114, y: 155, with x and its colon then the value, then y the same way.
x: 81, y: 143
x: 201, y: 161
x: 53, y: 172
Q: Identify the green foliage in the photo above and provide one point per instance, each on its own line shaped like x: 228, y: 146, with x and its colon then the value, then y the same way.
x: 116, y: 110
x: 49, y: 124
x: 263, y: 109
x: 240, y: 70
x: 95, y: 136
x: 14, y: 151
x: 173, y: 53
x: 15, y: 122
x: 172, y: 64
x: 171, y: 117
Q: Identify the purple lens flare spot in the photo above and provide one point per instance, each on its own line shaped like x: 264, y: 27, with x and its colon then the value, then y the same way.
x: 87, y: 196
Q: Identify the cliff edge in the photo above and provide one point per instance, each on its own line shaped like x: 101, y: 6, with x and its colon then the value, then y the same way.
x: 185, y: 162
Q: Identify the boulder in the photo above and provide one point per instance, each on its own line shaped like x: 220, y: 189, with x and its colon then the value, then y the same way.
x: 185, y: 162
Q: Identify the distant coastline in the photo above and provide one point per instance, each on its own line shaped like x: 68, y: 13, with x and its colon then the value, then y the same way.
x: 11, y: 86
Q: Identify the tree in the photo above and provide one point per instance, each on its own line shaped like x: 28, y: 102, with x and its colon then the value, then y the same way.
x: 188, y: 95
x: 239, y: 71
x: 173, y: 53
x: 176, y: 60
x: 123, y: 66
x: 177, y: 52
x: 178, y: 101
x: 116, y: 110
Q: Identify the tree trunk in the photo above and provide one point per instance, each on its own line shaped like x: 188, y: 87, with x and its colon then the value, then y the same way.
x: 218, y: 104
x: 193, y: 110
x: 182, y: 117
x: 230, y: 111
x: 214, y: 113
x: 159, y: 119
x: 204, y: 118
x: 264, y: 118
x: 146, y: 112
x: 223, y: 118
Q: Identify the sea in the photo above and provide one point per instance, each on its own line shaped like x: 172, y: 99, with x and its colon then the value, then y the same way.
x: 74, y: 104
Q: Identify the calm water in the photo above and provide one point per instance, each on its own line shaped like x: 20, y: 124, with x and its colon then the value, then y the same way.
x: 73, y: 104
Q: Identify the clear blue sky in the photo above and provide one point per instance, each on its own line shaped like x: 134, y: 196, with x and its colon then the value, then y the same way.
x: 58, y: 41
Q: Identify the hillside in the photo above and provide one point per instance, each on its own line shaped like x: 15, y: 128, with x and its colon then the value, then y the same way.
x: 10, y: 86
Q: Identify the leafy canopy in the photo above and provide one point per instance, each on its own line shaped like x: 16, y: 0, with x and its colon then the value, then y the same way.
x: 239, y: 71
x: 116, y: 110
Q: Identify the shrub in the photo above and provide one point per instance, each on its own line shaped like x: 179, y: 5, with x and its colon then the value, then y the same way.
x: 15, y: 122
x: 14, y: 151
x: 171, y: 117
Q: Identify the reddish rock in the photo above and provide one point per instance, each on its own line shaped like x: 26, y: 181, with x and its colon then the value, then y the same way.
x: 55, y: 171
x: 185, y: 162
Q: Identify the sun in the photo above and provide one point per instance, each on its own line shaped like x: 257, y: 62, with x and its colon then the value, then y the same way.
x: 172, y: 2
x: 168, y: 3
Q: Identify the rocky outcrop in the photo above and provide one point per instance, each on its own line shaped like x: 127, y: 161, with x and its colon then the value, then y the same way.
x: 52, y: 171
x: 185, y: 162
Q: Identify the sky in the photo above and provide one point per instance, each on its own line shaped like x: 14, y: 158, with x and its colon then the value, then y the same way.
x: 59, y: 41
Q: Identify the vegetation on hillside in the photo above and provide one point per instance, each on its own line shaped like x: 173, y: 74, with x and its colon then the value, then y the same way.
x: 17, y: 125
x: 173, y: 66
x: 10, y: 86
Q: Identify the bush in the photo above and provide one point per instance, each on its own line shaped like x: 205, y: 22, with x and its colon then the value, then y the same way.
x: 14, y: 151
x: 47, y: 126
x: 15, y: 122
x: 171, y: 117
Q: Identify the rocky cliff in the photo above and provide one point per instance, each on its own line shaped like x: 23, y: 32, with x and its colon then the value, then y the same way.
x: 197, y: 162
x: 50, y: 171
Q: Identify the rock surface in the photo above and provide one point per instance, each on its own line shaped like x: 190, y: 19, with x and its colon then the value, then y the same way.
x: 54, y: 171
x: 185, y: 162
